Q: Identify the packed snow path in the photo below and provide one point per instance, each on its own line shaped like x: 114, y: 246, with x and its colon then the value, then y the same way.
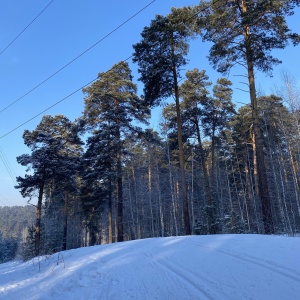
x: 233, y: 267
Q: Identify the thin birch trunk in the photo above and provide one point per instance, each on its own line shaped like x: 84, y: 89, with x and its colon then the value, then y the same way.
x: 161, y: 212
x: 150, y: 194
x: 283, y: 204
x: 38, y: 220
x: 243, y: 188
x: 172, y: 192
x: 254, y: 195
x: 65, y: 231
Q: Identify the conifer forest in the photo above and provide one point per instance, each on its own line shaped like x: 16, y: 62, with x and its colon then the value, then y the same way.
x: 211, y: 168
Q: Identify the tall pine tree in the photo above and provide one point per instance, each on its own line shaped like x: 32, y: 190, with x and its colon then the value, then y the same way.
x: 111, y: 105
x: 160, y: 55
x: 245, y: 32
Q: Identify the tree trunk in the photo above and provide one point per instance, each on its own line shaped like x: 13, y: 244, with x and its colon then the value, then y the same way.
x: 64, y: 246
x: 110, y: 223
x: 252, y: 193
x: 244, y: 191
x: 237, y: 194
x: 192, y: 194
x: 161, y: 212
x: 120, y: 236
x: 295, y: 179
x: 255, y: 176
x: 150, y: 193
x: 38, y: 220
x: 172, y: 193
x: 285, y: 209
x: 139, y: 207
x: 213, y: 145
x: 133, y: 229
x: 262, y: 174
x: 209, y: 198
x: 186, y: 213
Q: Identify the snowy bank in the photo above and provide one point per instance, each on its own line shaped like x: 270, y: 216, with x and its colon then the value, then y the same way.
x: 195, y: 267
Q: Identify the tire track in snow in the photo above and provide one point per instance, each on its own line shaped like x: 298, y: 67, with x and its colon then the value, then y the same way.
x: 285, y: 272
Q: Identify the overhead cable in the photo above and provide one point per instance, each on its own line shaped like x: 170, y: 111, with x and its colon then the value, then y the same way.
x: 7, y: 166
x: 6, y: 200
x: 76, y: 91
x: 5, y: 48
x: 56, y: 103
x: 77, y: 57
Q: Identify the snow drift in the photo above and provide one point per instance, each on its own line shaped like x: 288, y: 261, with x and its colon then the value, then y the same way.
x: 194, y: 267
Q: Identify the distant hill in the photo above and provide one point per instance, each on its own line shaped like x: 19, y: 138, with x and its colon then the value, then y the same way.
x: 14, y: 220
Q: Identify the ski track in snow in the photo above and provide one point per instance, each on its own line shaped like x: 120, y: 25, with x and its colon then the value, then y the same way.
x: 189, y: 278
x: 269, y: 265
x: 225, y: 267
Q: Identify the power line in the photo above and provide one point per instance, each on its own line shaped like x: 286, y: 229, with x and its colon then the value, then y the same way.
x: 77, y: 57
x: 25, y: 28
x: 1, y: 201
x: 8, y: 201
x: 7, y: 162
x: 7, y: 166
x: 56, y: 103
x: 76, y: 91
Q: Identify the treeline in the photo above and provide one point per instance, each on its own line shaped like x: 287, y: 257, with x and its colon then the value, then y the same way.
x: 210, y: 169
x: 14, y: 223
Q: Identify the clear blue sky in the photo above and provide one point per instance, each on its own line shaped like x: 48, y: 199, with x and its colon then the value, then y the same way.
x: 64, y: 30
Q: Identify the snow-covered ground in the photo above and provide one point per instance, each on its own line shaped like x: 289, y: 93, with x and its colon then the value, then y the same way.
x: 195, y: 267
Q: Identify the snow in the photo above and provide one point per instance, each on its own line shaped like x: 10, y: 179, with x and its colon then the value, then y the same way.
x: 190, y: 267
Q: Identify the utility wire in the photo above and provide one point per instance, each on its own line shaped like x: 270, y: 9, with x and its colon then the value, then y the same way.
x: 56, y: 103
x: 1, y: 201
x: 8, y: 201
x: 76, y: 91
x: 25, y: 28
x: 77, y: 57
x: 7, y: 167
x: 5, y: 160
x: 63, y: 99
x: 5, y: 157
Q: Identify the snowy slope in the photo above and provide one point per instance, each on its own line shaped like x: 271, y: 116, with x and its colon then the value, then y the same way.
x: 196, y: 267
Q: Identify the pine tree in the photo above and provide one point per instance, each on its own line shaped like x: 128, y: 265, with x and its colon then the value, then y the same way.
x: 55, y: 150
x: 111, y: 104
x: 28, y: 247
x: 8, y: 248
x: 194, y: 91
x: 217, y: 112
x: 160, y: 55
x: 245, y: 32
x: 98, y: 175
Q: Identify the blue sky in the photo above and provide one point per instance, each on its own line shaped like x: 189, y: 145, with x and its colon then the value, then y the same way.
x: 65, y: 30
